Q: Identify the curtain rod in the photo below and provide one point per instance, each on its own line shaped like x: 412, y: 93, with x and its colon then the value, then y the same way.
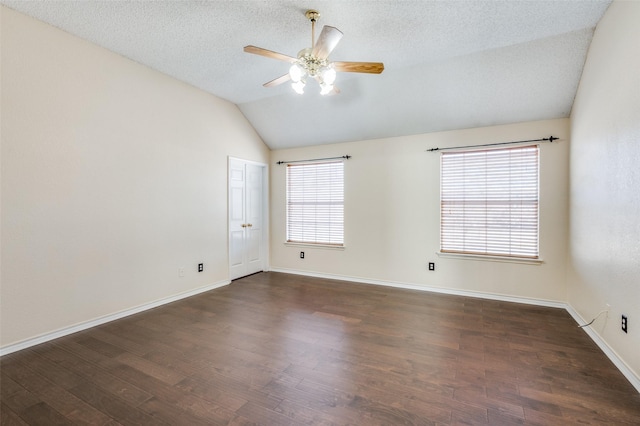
x: 549, y: 139
x: 346, y: 157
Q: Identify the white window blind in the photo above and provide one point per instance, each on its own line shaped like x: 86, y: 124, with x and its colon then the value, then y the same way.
x: 315, y: 203
x: 489, y: 202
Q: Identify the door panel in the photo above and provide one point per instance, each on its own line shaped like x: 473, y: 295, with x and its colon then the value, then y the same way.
x: 253, y: 250
x: 253, y: 210
x: 236, y: 219
x: 236, y: 251
x: 237, y: 211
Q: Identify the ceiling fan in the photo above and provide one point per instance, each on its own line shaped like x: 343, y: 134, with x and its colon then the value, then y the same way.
x: 312, y: 62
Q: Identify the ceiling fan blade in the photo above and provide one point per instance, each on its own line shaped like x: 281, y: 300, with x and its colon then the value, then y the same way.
x: 269, y: 54
x: 327, y: 41
x: 367, y: 67
x: 279, y: 80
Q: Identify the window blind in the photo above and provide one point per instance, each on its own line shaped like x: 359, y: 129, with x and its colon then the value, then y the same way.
x: 315, y: 203
x: 489, y: 202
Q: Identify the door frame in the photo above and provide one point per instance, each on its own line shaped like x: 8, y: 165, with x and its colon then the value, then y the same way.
x: 266, y: 224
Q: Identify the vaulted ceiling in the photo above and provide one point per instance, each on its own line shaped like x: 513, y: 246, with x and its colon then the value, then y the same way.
x: 448, y: 64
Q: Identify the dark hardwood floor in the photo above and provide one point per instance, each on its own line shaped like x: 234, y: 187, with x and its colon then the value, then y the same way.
x: 279, y: 349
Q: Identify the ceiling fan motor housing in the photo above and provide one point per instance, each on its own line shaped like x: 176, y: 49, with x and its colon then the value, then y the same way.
x: 310, y: 63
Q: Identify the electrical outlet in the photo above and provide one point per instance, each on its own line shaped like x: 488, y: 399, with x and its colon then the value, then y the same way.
x: 200, y: 267
x: 181, y: 272
x: 624, y: 323
x: 301, y: 255
x: 432, y: 266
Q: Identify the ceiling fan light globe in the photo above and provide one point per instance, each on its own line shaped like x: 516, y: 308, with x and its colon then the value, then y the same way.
x: 298, y: 86
x: 296, y: 72
x: 325, y: 89
x: 328, y: 75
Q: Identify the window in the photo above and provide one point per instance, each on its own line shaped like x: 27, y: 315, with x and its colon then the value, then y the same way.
x: 315, y: 203
x: 489, y: 202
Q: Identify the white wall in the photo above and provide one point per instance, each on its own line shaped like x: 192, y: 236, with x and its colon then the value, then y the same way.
x: 113, y: 177
x: 604, y: 244
x: 392, y: 216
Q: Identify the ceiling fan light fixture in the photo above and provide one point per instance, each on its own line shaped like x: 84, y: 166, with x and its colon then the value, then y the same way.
x: 328, y: 74
x: 296, y: 72
x: 298, y: 86
x: 325, y: 88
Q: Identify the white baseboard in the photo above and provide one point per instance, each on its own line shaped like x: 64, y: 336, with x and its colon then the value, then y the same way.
x: 608, y: 351
x: 633, y: 378
x: 24, y: 344
x: 443, y: 290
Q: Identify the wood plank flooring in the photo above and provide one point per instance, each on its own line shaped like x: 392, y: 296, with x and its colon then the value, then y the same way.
x: 278, y: 349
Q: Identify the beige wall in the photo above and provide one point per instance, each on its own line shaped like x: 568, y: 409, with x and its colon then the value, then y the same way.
x: 113, y: 177
x: 392, y: 215
x: 604, y: 244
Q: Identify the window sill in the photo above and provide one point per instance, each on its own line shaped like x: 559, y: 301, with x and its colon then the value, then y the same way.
x: 503, y: 259
x: 319, y: 246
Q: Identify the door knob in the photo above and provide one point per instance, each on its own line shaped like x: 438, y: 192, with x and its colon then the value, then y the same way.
x: 249, y: 225
x: 244, y: 225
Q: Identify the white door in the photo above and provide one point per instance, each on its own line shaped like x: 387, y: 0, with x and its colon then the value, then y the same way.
x: 246, y: 211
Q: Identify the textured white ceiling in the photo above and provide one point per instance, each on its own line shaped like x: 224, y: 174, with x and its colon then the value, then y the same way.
x: 448, y: 64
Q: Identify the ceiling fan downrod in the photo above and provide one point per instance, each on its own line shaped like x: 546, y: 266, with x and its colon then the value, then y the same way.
x: 312, y: 15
